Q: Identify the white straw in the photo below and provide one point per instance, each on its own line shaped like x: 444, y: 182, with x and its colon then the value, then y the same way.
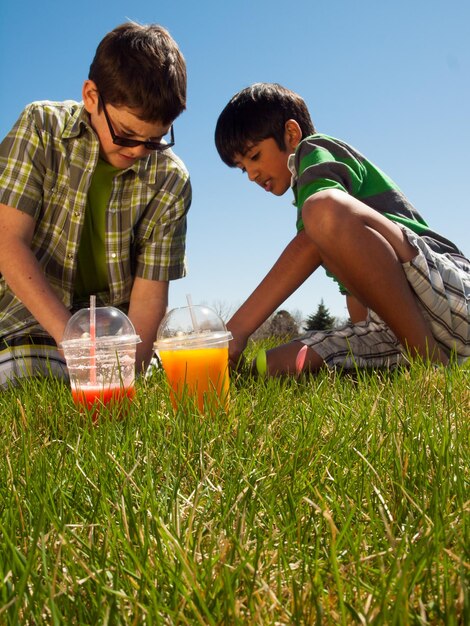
x: 191, y: 312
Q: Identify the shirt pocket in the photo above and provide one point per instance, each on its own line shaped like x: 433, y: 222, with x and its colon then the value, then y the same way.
x: 54, y: 222
x: 55, y: 202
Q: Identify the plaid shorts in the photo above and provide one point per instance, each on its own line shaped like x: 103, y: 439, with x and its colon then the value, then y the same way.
x: 26, y: 356
x: 441, y: 283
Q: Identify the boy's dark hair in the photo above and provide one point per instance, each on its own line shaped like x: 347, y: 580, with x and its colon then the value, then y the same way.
x: 141, y: 67
x: 256, y: 113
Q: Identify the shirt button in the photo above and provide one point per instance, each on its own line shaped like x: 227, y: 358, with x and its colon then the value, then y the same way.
x: 70, y: 255
x: 77, y: 213
x: 113, y: 255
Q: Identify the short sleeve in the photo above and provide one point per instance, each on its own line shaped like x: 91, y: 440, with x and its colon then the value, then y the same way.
x: 22, y: 164
x: 161, y: 245
x: 321, y: 164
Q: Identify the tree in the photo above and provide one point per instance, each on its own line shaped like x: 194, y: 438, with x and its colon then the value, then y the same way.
x: 222, y: 308
x: 321, y: 319
x: 282, y: 325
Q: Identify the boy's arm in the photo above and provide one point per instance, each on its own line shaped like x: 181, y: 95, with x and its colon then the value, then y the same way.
x: 148, y: 305
x: 23, y: 274
x: 297, y: 262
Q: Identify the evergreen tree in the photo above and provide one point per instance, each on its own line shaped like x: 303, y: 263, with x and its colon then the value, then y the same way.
x: 321, y: 319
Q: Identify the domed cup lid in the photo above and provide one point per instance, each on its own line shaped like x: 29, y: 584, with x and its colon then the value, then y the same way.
x: 112, y: 327
x: 190, y: 327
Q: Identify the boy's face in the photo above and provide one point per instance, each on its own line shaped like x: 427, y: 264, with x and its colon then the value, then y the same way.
x: 266, y: 164
x: 125, y: 123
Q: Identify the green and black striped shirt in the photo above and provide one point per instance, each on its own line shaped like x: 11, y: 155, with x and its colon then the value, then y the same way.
x: 321, y: 162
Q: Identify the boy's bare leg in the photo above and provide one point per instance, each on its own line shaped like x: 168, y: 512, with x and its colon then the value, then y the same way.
x: 357, y: 311
x: 282, y: 360
x: 365, y: 250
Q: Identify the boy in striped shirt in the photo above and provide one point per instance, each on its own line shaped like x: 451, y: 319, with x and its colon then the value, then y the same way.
x: 407, y: 287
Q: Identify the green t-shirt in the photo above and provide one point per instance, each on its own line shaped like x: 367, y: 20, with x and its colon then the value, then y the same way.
x: 92, y: 273
x: 322, y: 162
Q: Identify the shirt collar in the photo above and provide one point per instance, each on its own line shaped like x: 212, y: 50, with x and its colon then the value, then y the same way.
x: 292, y: 169
x: 146, y: 169
x: 79, y: 120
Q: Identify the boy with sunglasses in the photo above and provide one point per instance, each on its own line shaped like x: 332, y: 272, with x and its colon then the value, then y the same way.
x: 94, y: 201
x: 407, y: 287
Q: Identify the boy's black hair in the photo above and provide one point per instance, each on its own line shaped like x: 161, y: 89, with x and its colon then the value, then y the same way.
x: 141, y: 67
x: 256, y: 113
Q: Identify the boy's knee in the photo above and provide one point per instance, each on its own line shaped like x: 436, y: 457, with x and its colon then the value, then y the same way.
x: 330, y: 212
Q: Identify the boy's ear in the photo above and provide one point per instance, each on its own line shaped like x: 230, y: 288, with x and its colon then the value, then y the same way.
x: 293, y: 134
x: 90, y: 96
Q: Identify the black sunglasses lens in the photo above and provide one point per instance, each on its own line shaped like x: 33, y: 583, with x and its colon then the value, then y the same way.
x: 133, y: 143
x: 127, y: 143
x: 157, y: 145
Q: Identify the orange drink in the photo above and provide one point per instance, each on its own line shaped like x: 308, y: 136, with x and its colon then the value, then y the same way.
x: 192, y: 343
x: 201, y: 374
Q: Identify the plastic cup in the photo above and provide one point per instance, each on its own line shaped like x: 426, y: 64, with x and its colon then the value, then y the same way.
x: 192, y: 345
x: 100, y: 350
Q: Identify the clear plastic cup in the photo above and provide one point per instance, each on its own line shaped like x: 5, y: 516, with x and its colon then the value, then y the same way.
x: 99, y: 348
x: 192, y: 345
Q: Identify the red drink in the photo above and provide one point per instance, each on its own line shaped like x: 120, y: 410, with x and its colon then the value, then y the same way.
x: 116, y: 399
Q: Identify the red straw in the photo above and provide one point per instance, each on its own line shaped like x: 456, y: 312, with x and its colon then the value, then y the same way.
x: 93, y: 339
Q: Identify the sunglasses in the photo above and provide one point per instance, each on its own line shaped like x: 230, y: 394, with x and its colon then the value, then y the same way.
x: 133, y: 143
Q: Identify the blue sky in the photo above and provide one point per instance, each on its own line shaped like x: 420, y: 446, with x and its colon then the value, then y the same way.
x: 391, y: 78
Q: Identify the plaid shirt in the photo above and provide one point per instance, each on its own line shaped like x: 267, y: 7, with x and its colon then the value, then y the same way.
x: 46, y: 166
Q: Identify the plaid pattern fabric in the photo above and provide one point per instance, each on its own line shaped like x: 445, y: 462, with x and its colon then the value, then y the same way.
x: 368, y: 344
x: 22, y: 357
x: 441, y: 283
x: 46, y: 165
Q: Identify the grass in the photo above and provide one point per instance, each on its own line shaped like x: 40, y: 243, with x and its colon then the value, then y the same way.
x: 329, y: 500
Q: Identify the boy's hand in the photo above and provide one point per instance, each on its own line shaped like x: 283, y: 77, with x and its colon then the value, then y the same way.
x: 147, y: 307
x: 236, y: 347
